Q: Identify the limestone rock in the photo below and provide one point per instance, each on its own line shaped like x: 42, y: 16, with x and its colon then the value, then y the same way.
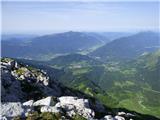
x: 50, y: 109
x: 119, y: 118
x: 74, y: 100
x: 12, y: 109
x: 48, y: 101
x: 108, y: 117
x: 121, y: 113
x: 3, y: 118
x: 74, y: 105
x: 28, y: 103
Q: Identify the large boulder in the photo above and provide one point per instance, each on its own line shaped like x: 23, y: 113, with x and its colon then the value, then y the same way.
x: 74, y: 105
x: 74, y: 101
x: 43, y: 79
x: 108, y: 117
x: 119, y: 118
x: 48, y: 101
x: 28, y: 103
x: 52, y: 109
x: 8, y: 63
x: 12, y: 109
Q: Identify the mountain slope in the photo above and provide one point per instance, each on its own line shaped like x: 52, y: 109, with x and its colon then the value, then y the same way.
x: 73, y: 60
x: 128, y: 47
x: 129, y: 84
x: 28, y: 93
x: 49, y: 45
x: 148, y: 67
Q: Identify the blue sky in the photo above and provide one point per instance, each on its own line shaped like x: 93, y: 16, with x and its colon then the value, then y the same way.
x: 48, y: 17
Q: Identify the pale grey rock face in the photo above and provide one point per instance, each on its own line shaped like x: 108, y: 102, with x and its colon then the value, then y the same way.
x: 15, y: 78
x: 48, y: 101
x: 28, y: 103
x: 125, y: 114
x: 16, y: 65
x: 74, y: 100
x: 12, y: 109
x: 108, y: 117
x: 121, y: 113
x: 8, y: 64
x: 24, y: 73
x: 73, y: 106
x: 43, y: 79
x: 3, y: 118
x: 119, y: 118
x: 52, y: 109
x: 70, y: 110
x: 130, y: 115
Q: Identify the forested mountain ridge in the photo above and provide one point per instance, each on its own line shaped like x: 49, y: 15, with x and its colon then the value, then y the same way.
x: 48, y: 46
x: 128, y: 47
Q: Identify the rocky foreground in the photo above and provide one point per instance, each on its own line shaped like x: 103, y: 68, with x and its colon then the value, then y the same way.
x: 28, y: 93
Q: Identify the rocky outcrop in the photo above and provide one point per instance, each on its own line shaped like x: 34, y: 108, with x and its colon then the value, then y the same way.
x: 45, y: 102
x: 108, y: 117
x: 66, y: 105
x: 74, y: 105
x: 12, y: 109
x: 22, y: 82
x: 28, y: 103
x: 52, y: 109
x: 22, y: 72
x: 119, y: 116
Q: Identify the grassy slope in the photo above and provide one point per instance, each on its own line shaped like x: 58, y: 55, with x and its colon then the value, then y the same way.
x: 119, y: 85
x: 133, y: 85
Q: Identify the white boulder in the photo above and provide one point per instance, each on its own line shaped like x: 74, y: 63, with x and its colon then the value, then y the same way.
x: 130, y: 115
x: 74, y: 105
x: 119, y: 118
x: 3, y: 118
x: 121, y: 113
x: 108, y: 117
x: 28, y: 103
x: 12, y: 109
x: 50, y: 109
x: 48, y: 101
x: 74, y: 100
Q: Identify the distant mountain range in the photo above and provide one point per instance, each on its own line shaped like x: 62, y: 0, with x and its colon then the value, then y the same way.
x: 128, y: 47
x: 20, y: 37
x: 62, y: 43
x: 124, y: 46
x: 114, y: 35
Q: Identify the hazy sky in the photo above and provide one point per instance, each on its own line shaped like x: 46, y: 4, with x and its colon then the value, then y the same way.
x: 22, y: 17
